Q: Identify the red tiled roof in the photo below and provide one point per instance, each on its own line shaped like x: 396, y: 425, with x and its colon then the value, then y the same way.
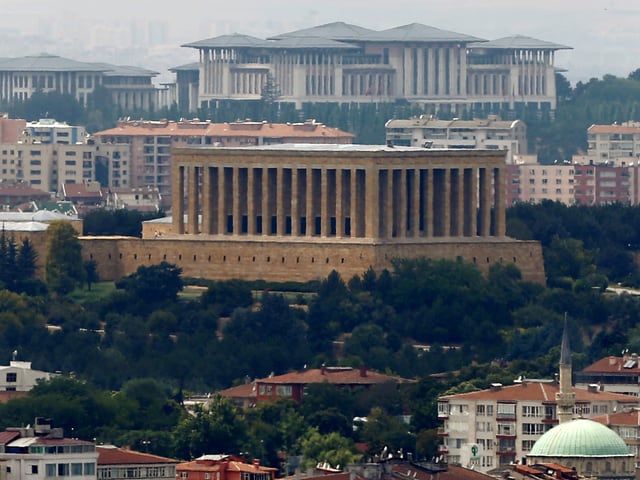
x: 246, y: 390
x: 612, y: 365
x: 452, y: 472
x: 121, y: 456
x: 75, y: 190
x: 336, y: 375
x: 627, y: 418
x: 21, y: 190
x: 613, y: 129
x: 539, y: 391
x: 8, y: 436
x: 212, y: 466
x: 240, y: 129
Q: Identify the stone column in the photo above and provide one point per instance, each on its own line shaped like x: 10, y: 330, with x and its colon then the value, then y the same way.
x: 339, y: 209
x: 446, y: 203
x: 402, y: 207
x: 192, y: 214
x: 280, y: 213
x: 295, y: 214
x: 428, y: 194
x: 310, y: 220
x: 235, y: 201
x: 251, y: 202
x: 353, y: 207
x: 266, y: 211
x: 473, y: 202
x: 415, y: 204
x: 324, y: 204
x: 499, y: 202
x: 177, y: 202
x: 389, y: 205
x: 460, y: 203
x: 485, y: 202
x: 222, y: 213
x: 372, y: 204
x: 206, y: 210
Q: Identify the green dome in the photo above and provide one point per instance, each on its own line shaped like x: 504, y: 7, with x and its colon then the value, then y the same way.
x: 580, y: 438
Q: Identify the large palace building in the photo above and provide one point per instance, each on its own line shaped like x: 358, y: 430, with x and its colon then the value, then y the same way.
x: 339, y: 62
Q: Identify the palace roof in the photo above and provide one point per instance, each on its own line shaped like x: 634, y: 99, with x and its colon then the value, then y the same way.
x: 520, y: 41
x: 237, y: 40
x: 48, y: 63
x: 417, y: 32
x: 334, y: 30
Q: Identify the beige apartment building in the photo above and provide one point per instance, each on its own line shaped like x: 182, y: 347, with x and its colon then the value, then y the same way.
x: 489, y: 133
x: 616, y: 144
x: 503, y: 422
x: 138, y: 153
x: 47, y: 154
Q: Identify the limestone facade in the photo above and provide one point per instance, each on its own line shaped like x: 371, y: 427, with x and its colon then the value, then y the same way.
x: 299, y: 212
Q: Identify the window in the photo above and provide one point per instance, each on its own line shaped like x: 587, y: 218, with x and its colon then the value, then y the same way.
x: 532, y: 428
x: 34, y: 469
x: 480, y: 409
x: 284, y: 390
x: 506, y: 429
x: 506, y: 410
x: 184, y: 474
x: 527, y: 444
x: 76, y: 469
x: 12, y: 377
x: 89, y: 468
x: 63, y: 469
x: 531, y: 411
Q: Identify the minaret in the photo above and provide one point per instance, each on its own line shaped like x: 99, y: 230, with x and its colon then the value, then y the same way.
x: 565, y: 398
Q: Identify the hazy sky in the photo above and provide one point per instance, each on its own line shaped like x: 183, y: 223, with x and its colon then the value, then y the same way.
x: 604, y: 34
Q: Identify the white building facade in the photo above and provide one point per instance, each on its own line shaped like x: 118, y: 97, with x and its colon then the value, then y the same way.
x: 42, y: 453
x: 339, y: 62
x: 490, y: 133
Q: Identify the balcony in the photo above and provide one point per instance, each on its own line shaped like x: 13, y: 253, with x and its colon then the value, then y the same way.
x: 441, y: 432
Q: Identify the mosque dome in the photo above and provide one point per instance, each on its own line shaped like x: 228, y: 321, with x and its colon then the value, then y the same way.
x: 580, y: 438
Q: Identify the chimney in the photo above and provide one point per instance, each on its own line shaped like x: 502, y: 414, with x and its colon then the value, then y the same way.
x: 363, y: 370
x: 323, y: 369
x: 256, y: 463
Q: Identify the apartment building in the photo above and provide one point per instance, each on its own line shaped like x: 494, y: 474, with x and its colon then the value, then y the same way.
x: 626, y: 424
x: 42, y: 452
x: 490, y: 134
x: 572, y: 183
x: 613, y: 374
x: 46, y: 166
x: 503, y: 422
x: 341, y: 62
x: 137, y: 154
x: 617, y: 143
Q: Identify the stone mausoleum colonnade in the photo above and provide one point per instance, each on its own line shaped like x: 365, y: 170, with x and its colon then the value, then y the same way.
x: 349, y: 192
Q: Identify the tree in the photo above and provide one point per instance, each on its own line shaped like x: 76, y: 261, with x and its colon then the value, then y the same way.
x: 218, y: 428
x: 331, y: 448
x: 64, y: 267
x: 91, y: 270
x: 153, y: 284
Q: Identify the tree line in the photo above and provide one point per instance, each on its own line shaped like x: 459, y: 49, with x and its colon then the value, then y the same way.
x: 553, y: 136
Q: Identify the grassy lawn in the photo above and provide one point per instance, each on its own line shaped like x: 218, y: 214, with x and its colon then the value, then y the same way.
x: 98, y: 290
